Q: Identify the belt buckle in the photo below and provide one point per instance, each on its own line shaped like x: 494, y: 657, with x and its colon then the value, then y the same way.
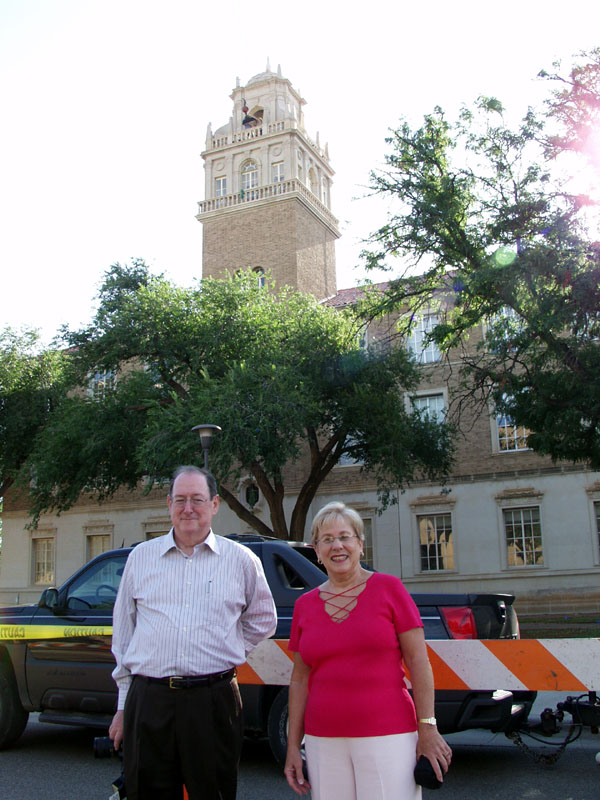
x: 174, y: 678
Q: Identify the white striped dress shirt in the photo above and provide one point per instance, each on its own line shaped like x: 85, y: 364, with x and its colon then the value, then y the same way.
x: 189, y: 615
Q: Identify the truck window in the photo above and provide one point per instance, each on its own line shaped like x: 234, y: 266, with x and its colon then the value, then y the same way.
x: 97, y: 587
x: 311, y: 555
x: 290, y: 579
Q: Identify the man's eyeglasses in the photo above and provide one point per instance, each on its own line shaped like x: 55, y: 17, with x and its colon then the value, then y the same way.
x: 180, y: 502
x: 345, y: 538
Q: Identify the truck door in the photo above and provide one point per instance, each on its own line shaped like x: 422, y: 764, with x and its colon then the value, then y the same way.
x: 71, y: 671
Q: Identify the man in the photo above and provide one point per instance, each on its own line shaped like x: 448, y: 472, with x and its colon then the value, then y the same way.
x: 191, y: 606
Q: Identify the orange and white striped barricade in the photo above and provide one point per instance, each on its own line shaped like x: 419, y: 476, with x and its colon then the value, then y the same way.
x: 569, y: 665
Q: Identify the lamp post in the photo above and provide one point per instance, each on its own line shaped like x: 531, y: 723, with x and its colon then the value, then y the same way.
x: 206, y: 433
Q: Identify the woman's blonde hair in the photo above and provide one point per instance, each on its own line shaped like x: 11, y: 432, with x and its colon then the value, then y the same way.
x: 330, y: 513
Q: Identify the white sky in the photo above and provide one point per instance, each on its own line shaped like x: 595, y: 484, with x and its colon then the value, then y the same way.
x: 105, y: 105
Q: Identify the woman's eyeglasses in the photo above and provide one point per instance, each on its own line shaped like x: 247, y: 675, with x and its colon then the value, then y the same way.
x: 345, y: 538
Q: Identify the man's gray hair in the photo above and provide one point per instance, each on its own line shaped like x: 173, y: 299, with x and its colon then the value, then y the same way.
x: 211, y: 481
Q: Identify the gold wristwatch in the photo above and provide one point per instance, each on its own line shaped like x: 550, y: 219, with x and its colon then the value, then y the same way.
x: 429, y: 720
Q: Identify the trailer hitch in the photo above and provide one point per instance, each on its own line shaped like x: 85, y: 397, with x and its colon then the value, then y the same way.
x: 584, y: 713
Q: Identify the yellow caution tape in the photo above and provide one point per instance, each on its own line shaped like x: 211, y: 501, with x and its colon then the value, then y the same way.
x: 29, y: 632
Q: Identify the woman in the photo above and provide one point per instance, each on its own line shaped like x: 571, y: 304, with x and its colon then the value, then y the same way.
x: 348, y: 698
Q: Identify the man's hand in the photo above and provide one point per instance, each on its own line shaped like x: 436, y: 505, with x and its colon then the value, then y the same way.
x: 116, y: 729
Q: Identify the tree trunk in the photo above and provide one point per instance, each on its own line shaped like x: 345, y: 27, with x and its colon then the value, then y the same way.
x: 244, y: 513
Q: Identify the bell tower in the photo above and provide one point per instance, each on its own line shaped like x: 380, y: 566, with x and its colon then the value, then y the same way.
x: 268, y: 191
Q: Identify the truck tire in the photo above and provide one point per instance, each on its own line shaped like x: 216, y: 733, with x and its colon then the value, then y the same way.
x: 13, y: 717
x: 277, y: 729
x: 277, y: 725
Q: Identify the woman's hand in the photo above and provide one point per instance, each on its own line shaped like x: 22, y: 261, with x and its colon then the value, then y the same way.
x: 297, y: 696
x: 435, y: 747
x: 430, y: 743
x: 293, y: 771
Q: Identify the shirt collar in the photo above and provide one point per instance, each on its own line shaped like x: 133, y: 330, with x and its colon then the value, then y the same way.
x: 168, y: 543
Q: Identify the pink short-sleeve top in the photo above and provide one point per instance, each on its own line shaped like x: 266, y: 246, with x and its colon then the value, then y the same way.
x: 356, y: 684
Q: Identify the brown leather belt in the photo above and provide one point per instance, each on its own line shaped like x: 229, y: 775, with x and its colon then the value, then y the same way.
x: 192, y: 681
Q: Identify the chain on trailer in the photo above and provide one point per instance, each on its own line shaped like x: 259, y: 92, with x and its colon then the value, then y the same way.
x: 584, y: 713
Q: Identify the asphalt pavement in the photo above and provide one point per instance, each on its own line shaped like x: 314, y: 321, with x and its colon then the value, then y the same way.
x: 52, y: 762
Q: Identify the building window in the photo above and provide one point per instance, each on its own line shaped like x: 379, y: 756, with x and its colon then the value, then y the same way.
x: 43, y: 560
x: 523, y: 536
x: 502, y: 328
x: 102, y: 383
x: 314, y: 183
x: 597, y: 510
x: 431, y: 405
x: 368, y: 556
x: 97, y: 544
x: 250, y: 180
x: 260, y: 277
x: 220, y: 187
x: 254, y: 118
x: 347, y: 459
x: 511, y: 437
x: 436, y: 542
x: 424, y: 351
x: 299, y: 165
x: 507, y: 316
x: 220, y: 190
x: 156, y: 527
x: 277, y: 172
x: 251, y: 495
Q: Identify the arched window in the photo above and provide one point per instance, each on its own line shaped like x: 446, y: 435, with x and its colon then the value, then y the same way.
x: 253, y: 118
x: 260, y: 276
x: 313, y: 182
x: 251, y: 495
x: 250, y: 180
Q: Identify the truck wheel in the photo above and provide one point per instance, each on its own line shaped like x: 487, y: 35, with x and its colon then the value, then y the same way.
x: 277, y: 728
x: 13, y: 717
x: 277, y: 725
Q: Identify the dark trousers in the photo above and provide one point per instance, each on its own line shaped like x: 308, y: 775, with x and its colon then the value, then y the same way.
x: 176, y: 736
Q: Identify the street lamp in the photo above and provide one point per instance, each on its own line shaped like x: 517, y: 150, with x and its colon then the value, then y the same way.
x: 206, y: 433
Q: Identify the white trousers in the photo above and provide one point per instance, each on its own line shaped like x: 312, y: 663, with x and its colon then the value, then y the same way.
x: 362, y: 768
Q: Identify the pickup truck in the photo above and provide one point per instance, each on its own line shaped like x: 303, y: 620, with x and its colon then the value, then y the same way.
x: 48, y: 664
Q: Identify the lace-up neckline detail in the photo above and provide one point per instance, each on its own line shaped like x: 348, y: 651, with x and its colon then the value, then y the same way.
x: 338, y: 605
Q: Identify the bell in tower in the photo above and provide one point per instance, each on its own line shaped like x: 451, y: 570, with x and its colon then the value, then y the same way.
x: 268, y: 191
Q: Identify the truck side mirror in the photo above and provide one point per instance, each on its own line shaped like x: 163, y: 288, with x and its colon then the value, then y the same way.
x: 49, y: 598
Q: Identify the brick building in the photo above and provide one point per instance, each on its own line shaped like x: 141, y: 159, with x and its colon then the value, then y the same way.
x: 507, y: 519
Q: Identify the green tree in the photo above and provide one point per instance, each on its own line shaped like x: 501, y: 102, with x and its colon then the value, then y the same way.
x: 32, y: 385
x: 489, y: 229
x: 280, y: 373
x: 574, y: 106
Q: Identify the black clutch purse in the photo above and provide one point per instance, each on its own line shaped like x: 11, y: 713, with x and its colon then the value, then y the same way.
x: 424, y: 774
